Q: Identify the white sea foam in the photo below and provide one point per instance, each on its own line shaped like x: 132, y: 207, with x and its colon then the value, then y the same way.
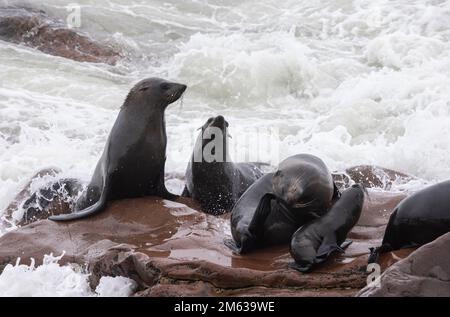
x: 52, y: 279
x: 353, y: 81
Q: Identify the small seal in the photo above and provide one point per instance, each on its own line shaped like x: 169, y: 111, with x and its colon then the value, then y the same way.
x: 314, y: 242
x: 216, y: 182
x: 132, y: 164
x: 277, y: 204
x: 417, y: 220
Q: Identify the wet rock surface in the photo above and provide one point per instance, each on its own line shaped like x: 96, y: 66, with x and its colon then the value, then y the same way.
x: 370, y: 176
x: 170, y: 249
x: 426, y: 272
x: 35, y: 29
x: 52, y: 198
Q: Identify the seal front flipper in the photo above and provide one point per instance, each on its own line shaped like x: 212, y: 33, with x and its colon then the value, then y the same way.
x: 328, y: 246
x: 249, y: 240
x: 262, y: 211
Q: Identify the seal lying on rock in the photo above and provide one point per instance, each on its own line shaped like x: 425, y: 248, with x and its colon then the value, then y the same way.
x: 132, y: 164
x: 216, y: 182
x: 314, y: 242
x: 417, y: 220
x: 277, y: 204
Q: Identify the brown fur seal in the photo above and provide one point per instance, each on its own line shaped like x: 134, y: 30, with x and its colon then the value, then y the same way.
x: 417, y: 220
x: 314, y: 242
x: 217, y: 182
x: 132, y: 164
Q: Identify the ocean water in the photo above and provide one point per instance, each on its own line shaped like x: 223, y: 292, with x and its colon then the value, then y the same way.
x: 354, y: 82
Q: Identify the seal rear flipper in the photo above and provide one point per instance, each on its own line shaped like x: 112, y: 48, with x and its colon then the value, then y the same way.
x: 375, y: 252
x: 86, y: 212
x: 300, y: 268
x: 98, y: 206
x: 230, y: 243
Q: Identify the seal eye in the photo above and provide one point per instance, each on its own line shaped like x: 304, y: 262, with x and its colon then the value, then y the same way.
x: 143, y: 89
x: 165, y: 86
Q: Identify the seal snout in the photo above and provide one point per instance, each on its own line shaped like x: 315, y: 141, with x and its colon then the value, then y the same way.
x: 293, y: 194
x: 175, y: 91
x: 219, y: 122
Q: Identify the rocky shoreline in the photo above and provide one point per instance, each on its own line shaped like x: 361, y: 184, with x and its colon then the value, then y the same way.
x: 171, y: 249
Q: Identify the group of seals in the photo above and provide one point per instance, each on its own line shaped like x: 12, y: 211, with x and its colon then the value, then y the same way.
x: 216, y: 182
x: 132, y: 163
x: 276, y: 205
x: 417, y: 220
x: 298, y: 203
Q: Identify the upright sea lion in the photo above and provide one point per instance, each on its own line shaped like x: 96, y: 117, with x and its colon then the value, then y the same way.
x: 132, y: 164
x: 314, y: 242
x: 417, y: 220
x: 277, y: 204
x: 216, y: 182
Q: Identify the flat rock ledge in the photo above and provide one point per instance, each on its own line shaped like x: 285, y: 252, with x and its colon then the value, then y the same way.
x: 170, y: 249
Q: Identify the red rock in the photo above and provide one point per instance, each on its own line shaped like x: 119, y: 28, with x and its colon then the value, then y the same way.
x: 35, y: 29
x: 161, y: 243
x: 425, y: 272
x: 171, y: 249
x: 376, y: 176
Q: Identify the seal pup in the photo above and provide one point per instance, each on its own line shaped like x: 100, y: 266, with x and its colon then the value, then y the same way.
x: 417, y: 220
x: 277, y: 204
x: 314, y: 242
x: 132, y: 163
x: 216, y: 182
